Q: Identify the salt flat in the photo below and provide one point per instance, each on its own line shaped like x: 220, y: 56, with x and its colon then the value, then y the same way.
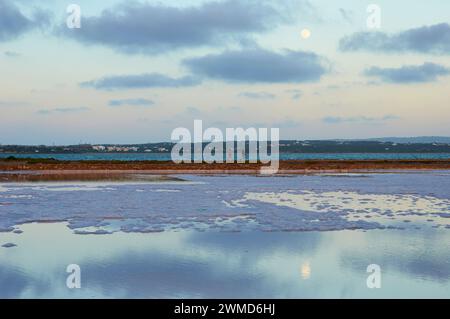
x: 235, y: 203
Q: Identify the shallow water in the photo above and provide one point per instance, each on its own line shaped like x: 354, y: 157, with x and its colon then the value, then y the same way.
x: 283, y: 156
x: 229, y: 237
x: 235, y: 203
x: 190, y: 264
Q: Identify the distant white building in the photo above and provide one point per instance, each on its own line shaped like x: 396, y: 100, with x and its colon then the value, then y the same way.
x: 98, y: 148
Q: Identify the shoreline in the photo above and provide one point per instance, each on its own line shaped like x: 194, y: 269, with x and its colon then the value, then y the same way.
x: 51, y: 170
x: 291, y: 165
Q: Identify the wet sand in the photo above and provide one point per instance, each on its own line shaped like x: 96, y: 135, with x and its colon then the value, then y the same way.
x: 85, y: 176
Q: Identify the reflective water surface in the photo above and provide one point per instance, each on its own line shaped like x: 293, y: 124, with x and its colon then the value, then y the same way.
x: 283, y: 156
x: 193, y: 264
x: 305, y: 236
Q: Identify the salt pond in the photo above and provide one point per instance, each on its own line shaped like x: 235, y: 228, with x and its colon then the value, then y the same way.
x: 229, y: 236
x: 235, y: 203
x: 192, y: 264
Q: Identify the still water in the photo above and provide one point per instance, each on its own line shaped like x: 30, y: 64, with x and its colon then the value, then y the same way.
x: 303, y: 236
x: 191, y: 264
x: 283, y: 156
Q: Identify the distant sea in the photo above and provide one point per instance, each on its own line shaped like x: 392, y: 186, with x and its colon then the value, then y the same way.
x: 283, y: 156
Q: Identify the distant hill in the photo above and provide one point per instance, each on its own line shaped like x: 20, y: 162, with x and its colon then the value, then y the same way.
x: 413, y: 140
x: 375, y: 145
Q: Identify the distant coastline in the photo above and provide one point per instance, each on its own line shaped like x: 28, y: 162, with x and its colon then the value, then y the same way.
x: 375, y: 146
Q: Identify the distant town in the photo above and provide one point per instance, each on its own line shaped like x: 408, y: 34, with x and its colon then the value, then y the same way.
x: 441, y: 145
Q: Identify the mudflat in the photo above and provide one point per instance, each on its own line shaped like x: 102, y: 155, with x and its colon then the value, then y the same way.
x: 53, y: 170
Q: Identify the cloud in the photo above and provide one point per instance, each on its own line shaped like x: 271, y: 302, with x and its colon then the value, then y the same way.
x: 259, y: 66
x: 11, y: 54
x: 427, y: 72
x: 131, y: 102
x: 140, y: 81
x: 154, y: 28
x: 258, y: 95
x: 296, y: 94
x: 434, y: 39
x: 347, y: 15
x: 358, y: 119
x: 63, y: 110
x: 13, y: 23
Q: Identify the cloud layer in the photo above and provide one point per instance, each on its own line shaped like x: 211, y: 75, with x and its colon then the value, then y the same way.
x: 433, y: 39
x: 140, y: 81
x: 131, y: 102
x: 427, y: 72
x: 154, y: 28
x: 358, y: 119
x: 11, y: 54
x: 63, y: 110
x: 14, y: 23
x: 257, y: 95
x: 259, y: 66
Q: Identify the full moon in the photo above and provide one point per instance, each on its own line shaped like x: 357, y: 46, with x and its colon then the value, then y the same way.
x: 306, y: 33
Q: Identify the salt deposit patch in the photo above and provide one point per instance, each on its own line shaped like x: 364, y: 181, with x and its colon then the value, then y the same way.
x: 385, y: 209
x: 352, y: 201
x: 237, y: 203
x: 162, y: 223
x: 74, y: 189
x: 16, y: 196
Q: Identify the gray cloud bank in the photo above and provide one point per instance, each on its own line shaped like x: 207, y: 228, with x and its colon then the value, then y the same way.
x: 427, y: 72
x: 136, y: 27
x: 61, y: 110
x: 140, y: 81
x: 13, y: 23
x: 131, y: 102
x: 434, y: 39
x: 257, y: 95
x: 259, y: 66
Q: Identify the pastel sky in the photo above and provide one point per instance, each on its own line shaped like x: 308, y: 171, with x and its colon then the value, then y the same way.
x: 136, y: 70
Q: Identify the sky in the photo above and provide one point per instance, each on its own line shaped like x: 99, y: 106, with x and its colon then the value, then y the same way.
x: 136, y: 70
